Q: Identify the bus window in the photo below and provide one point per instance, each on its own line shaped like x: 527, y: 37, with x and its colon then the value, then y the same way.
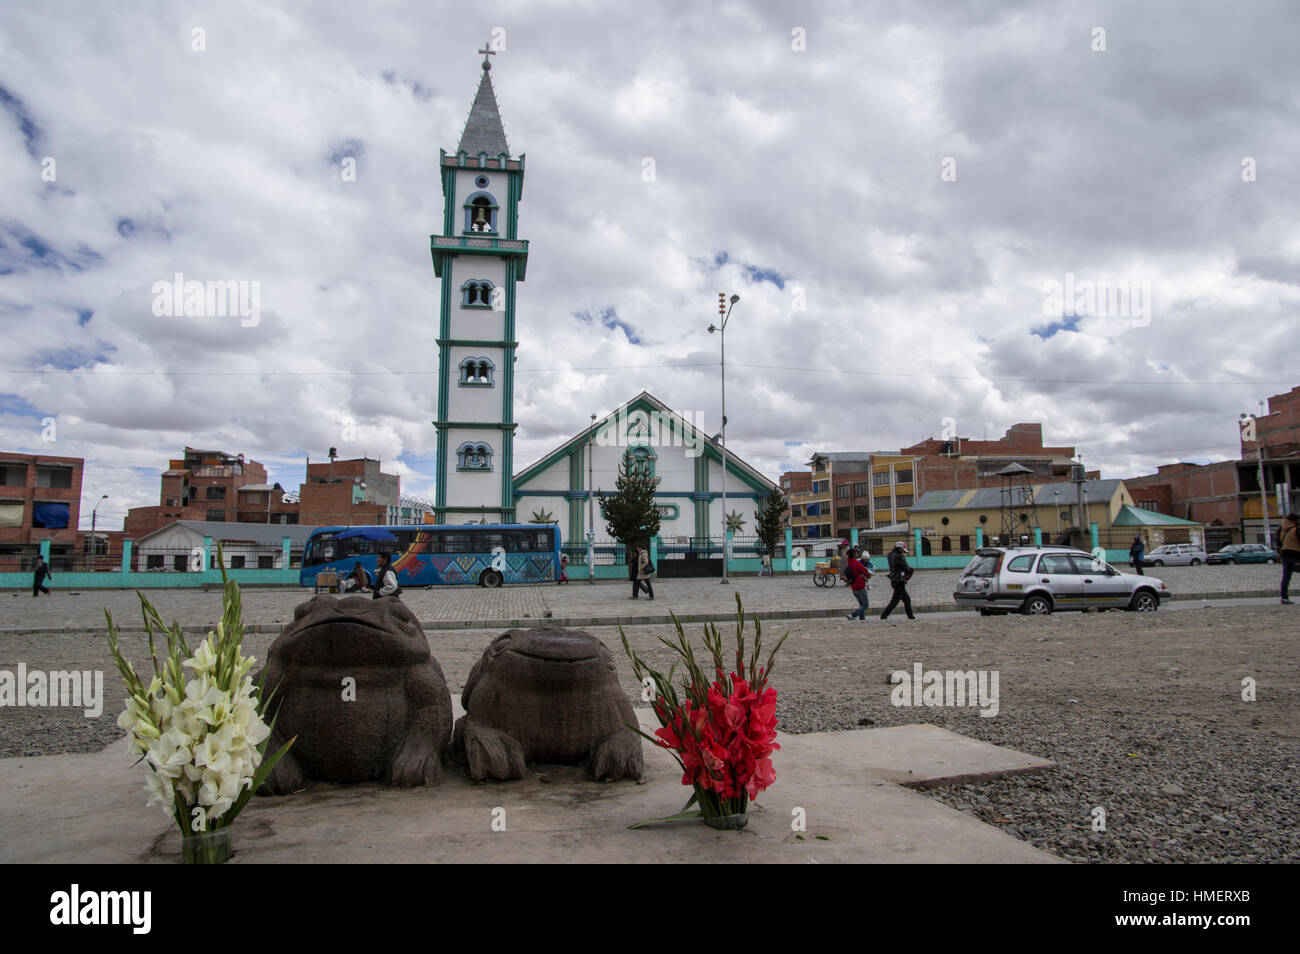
x: 454, y: 541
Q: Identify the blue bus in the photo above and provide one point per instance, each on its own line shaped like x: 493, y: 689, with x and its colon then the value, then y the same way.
x: 431, y: 554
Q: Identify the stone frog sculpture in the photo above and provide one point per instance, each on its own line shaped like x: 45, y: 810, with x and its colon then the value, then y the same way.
x: 360, y: 690
x: 547, y: 695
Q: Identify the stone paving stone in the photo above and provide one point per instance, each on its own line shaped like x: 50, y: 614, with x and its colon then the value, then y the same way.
x: 601, y: 603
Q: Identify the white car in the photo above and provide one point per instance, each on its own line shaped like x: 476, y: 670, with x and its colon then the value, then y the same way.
x: 1175, y: 554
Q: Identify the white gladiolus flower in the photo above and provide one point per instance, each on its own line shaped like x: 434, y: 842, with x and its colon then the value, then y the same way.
x: 204, y: 659
x: 160, y: 791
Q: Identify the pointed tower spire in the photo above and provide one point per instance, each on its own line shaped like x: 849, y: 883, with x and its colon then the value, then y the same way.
x: 483, y: 130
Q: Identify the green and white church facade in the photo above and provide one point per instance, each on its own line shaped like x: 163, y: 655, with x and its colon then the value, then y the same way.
x: 479, y: 258
x: 646, y: 435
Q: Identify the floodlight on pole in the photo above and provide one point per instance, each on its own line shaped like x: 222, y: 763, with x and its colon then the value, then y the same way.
x: 724, y: 312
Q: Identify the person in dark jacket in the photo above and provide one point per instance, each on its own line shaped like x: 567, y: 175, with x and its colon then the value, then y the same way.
x: 899, y: 574
x: 1136, y: 553
x: 385, y: 578
x: 858, y: 585
x: 1289, y: 550
x: 40, y: 571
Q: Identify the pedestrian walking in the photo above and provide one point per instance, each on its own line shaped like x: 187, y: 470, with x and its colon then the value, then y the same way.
x: 564, y: 566
x: 1289, y: 547
x: 765, y: 566
x: 40, y: 571
x: 1135, y: 554
x: 632, y: 552
x: 645, y: 570
x: 899, y: 574
x: 859, y: 575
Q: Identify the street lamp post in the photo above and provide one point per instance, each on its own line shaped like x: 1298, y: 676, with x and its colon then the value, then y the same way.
x: 1263, y: 495
x: 724, y: 310
x: 94, y: 543
x: 591, y: 506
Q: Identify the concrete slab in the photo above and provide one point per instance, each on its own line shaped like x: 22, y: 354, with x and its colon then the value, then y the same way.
x: 90, y: 808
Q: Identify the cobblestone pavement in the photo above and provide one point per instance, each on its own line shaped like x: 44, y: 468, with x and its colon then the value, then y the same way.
x: 79, y: 610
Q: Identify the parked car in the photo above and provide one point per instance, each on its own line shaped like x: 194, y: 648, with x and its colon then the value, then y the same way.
x: 1244, y: 553
x: 1045, y: 579
x: 1176, y: 554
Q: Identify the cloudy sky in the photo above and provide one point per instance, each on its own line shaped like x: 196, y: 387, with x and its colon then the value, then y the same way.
x: 891, y: 188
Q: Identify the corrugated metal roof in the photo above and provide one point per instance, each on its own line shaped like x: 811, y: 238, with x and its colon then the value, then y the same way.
x: 990, y: 498
x: 1138, y: 517
x: 262, y: 534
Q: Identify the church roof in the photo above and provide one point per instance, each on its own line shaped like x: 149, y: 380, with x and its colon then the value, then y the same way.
x: 483, y: 130
x: 645, y: 401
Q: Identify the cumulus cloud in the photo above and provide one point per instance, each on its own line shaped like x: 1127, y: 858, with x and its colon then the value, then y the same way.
x: 891, y: 202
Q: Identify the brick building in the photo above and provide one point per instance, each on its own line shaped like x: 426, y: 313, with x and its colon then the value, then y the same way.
x: 875, y: 491
x: 40, y: 499
x: 347, y: 492
x: 214, y: 486
x: 1224, y: 495
x: 206, y: 485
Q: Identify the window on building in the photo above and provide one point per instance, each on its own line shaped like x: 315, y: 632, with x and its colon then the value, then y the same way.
x: 476, y: 372
x: 640, y: 461
x: 964, y: 542
x: 844, y: 491
x: 862, y: 512
x: 51, y: 516
x: 945, y: 545
x: 266, y: 563
x: 13, y: 475
x: 842, y: 513
x: 214, y: 493
x: 903, y: 476
x: 1147, y: 505
x: 476, y: 293
x: 862, y: 488
x: 881, y: 479
x: 215, y: 515
x: 474, y: 456
x: 180, y: 563
x: 814, y: 510
x: 53, y: 477
x: 481, y: 213
x: 237, y: 562
x: 819, y: 486
x: 903, y: 500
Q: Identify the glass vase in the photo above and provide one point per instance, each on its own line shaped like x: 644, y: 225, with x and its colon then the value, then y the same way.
x: 723, y: 814
x: 206, y: 847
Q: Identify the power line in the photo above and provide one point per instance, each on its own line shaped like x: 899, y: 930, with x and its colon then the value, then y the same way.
x: 670, y: 366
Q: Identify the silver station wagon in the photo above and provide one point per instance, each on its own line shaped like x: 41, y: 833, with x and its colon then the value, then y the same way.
x: 1175, y: 554
x: 1046, y: 579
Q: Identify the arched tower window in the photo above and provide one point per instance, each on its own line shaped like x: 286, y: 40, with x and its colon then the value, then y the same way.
x: 476, y: 373
x: 476, y: 293
x: 481, y: 212
x: 473, y: 455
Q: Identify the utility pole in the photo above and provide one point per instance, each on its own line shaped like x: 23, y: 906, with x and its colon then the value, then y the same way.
x: 591, y: 505
x: 724, y: 311
x: 1263, y: 495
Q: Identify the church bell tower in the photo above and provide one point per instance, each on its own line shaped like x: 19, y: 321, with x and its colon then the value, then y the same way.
x: 478, y: 259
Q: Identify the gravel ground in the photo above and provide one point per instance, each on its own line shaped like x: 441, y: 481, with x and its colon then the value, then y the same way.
x: 1143, y: 713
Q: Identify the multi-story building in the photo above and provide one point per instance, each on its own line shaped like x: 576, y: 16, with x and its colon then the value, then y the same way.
x: 40, y: 499
x: 347, y: 492
x: 216, y: 487
x: 200, y: 485
x: 1225, y: 495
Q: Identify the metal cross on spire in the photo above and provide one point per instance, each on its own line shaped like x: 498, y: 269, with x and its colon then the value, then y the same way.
x: 487, y: 51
